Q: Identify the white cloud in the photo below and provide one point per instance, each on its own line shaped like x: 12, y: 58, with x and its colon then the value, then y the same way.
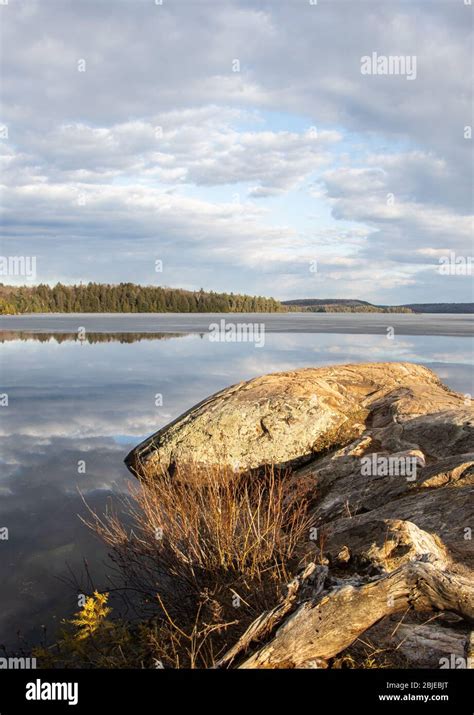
x: 95, y: 135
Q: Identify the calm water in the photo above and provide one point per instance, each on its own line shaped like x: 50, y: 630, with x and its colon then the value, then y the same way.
x: 94, y: 400
x: 345, y: 323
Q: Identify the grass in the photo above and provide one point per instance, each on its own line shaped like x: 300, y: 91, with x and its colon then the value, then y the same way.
x: 199, y: 555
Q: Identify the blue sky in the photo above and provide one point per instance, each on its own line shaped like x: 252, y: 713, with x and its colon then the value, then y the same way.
x: 129, y: 138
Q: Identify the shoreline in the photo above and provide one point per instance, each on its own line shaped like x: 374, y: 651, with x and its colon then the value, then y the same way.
x: 428, y: 324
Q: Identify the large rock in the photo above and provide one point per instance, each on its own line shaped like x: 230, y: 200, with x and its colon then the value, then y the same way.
x: 287, y: 418
x: 386, y: 545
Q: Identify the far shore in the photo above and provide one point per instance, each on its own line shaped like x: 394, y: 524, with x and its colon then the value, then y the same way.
x: 441, y: 324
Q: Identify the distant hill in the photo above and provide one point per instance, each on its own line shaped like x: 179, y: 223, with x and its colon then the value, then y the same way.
x: 441, y: 307
x: 345, y: 305
x: 341, y: 305
x: 310, y: 302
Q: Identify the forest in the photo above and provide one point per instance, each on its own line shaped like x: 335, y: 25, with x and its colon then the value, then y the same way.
x: 126, y: 298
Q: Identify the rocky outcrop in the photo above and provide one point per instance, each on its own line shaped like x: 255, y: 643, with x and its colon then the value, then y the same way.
x: 289, y: 417
x: 384, y: 452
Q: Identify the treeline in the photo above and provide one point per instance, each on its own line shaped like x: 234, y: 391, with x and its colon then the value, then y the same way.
x: 127, y: 298
x: 441, y: 307
x: 341, y: 305
x: 338, y: 308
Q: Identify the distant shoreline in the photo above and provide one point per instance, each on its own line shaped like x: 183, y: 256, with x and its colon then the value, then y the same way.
x: 130, y: 298
x: 343, y: 305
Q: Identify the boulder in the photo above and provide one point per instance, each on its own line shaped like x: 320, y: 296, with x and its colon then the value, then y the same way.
x: 287, y: 418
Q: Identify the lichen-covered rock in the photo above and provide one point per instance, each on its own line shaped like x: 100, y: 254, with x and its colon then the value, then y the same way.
x: 288, y: 417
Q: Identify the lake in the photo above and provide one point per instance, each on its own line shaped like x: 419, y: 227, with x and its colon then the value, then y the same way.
x: 87, y: 401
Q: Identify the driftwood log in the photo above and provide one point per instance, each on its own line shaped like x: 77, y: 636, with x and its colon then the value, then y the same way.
x: 323, y: 625
x: 266, y: 623
x: 322, y: 628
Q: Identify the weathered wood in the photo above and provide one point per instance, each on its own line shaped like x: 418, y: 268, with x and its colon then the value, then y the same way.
x: 320, y: 629
x: 267, y: 621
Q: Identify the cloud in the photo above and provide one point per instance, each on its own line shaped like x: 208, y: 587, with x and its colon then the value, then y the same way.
x: 174, y: 152
x: 407, y: 225
x: 195, y: 147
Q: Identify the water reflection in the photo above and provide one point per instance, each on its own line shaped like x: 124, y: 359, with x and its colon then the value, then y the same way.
x: 87, y: 337
x: 90, y: 401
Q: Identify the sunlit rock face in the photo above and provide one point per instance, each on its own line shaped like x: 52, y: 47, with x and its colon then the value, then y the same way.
x: 289, y: 418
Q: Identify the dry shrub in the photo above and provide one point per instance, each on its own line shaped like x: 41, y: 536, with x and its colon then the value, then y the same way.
x: 202, y: 553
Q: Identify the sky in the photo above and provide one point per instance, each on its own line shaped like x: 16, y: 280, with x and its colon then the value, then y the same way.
x: 271, y: 148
